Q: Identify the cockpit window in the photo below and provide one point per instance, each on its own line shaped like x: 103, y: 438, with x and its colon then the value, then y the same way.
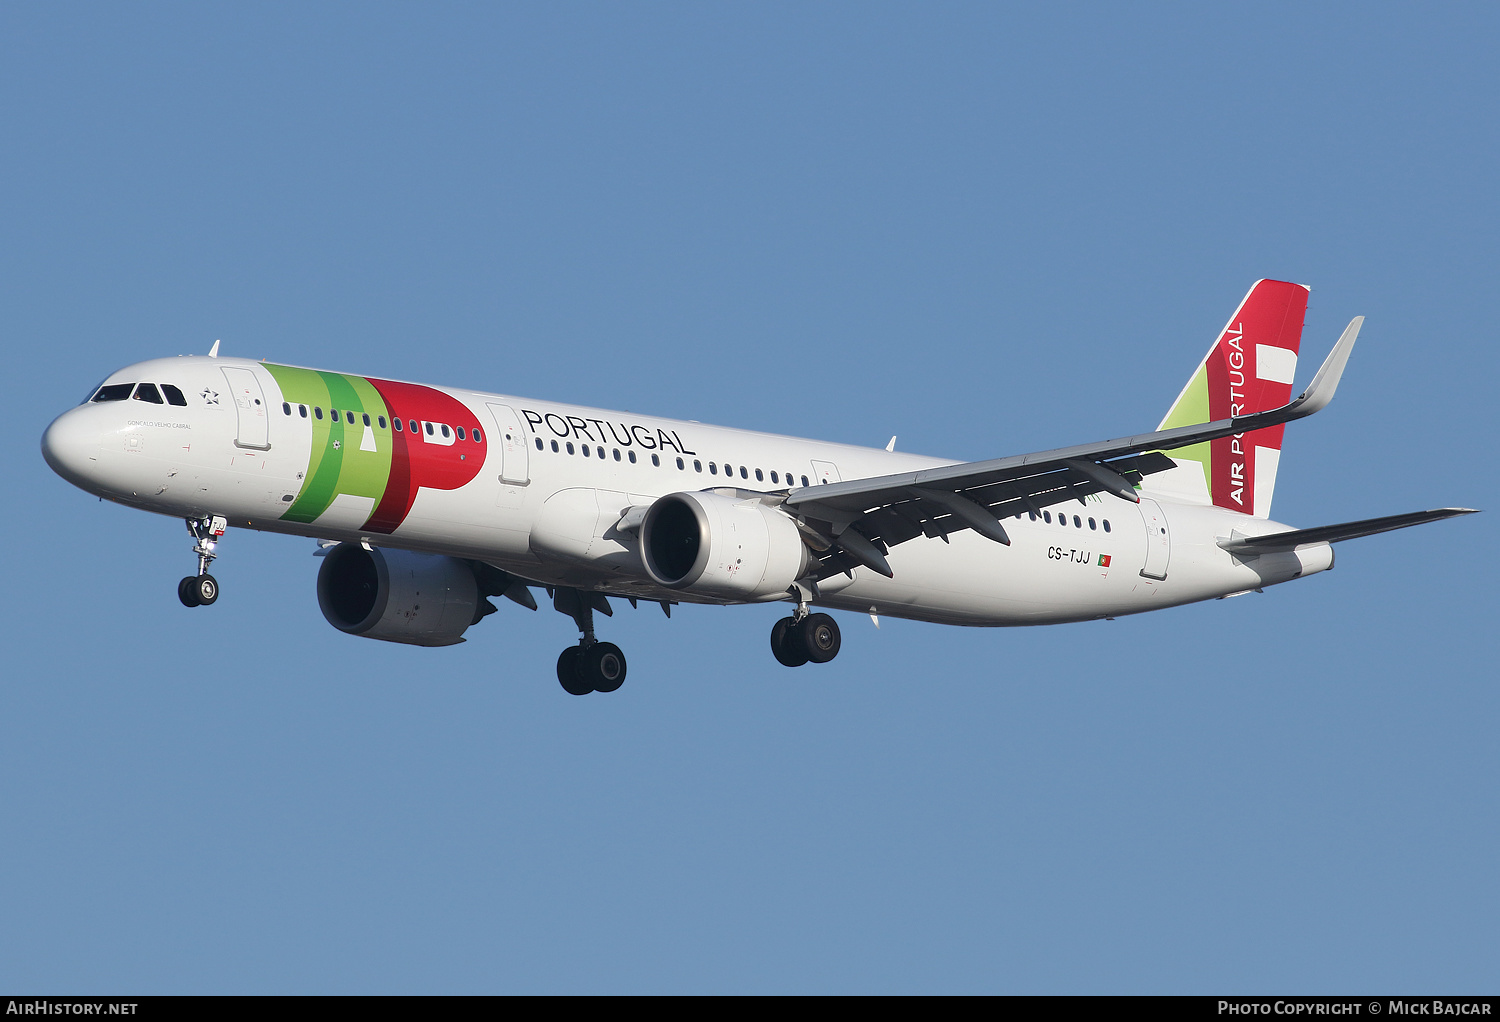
x: 148, y: 392
x: 114, y: 392
x: 174, y: 396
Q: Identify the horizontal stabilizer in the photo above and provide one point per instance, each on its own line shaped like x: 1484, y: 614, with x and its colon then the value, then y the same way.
x: 1243, y: 545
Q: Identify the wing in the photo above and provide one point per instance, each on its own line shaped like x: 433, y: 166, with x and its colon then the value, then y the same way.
x: 857, y: 522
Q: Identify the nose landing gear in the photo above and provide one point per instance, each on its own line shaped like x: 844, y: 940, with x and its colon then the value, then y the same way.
x: 202, y: 589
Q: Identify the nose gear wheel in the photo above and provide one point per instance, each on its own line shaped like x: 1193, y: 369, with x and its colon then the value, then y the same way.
x: 202, y: 589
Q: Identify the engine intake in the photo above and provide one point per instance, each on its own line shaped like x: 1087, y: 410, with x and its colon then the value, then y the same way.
x: 721, y: 546
x: 397, y: 595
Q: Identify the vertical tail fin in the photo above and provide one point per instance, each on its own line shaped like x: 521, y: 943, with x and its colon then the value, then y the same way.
x: 1248, y: 369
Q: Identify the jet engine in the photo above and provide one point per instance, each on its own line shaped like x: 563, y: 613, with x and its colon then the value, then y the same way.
x: 398, y: 596
x: 721, y: 546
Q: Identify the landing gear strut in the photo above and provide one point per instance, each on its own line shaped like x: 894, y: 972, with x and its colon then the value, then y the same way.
x: 202, y: 589
x: 805, y: 637
x: 590, y: 666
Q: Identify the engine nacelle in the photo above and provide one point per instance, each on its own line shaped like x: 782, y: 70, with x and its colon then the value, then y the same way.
x: 397, y: 595
x: 720, y: 546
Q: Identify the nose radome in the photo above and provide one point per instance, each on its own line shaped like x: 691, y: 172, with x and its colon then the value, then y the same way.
x: 71, y: 445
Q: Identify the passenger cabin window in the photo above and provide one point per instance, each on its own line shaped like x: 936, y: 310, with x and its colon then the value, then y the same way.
x: 445, y: 431
x: 460, y: 431
x: 380, y: 419
x: 349, y: 418
x: 697, y: 465
x: 428, y: 427
x: 804, y: 480
x: 412, y: 425
x: 539, y: 443
x: 302, y: 410
x: 317, y: 411
x: 1106, y: 525
x: 713, y: 469
x: 397, y: 424
x: 286, y: 408
x: 758, y: 476
x: 174, y: 396
x: 366, y: 418
x: 585, y: 450
x: 148, y: 392
x: 773, y: 476
x: 570, y: 447
x: 477, y: 438
x: 616, y: 453
x: 554, y: 447
x: 631, y: 456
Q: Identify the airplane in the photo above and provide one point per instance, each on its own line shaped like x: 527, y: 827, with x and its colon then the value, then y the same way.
x: 426, y: 501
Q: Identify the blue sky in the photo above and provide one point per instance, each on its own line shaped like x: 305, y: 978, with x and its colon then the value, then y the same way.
x: 986, y: 230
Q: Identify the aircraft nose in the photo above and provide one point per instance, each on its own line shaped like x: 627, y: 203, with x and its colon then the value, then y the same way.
x: 71, y: 445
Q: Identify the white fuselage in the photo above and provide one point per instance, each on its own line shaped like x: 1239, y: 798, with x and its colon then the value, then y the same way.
x: 549, y: 516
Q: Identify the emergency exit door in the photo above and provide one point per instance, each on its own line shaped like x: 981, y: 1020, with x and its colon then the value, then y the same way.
x: 1158, y: 540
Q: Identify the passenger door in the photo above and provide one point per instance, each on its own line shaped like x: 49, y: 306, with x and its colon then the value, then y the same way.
x: 515, y: 461
x: 253, y: 430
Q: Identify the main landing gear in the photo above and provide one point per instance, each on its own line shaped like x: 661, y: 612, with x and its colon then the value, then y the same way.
x: 805, y: 638
x: 202, y: 589
x: 590, y: 666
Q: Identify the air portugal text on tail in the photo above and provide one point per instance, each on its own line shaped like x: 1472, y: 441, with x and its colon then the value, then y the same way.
x: 428, y: 501
x: 1249, y: 369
